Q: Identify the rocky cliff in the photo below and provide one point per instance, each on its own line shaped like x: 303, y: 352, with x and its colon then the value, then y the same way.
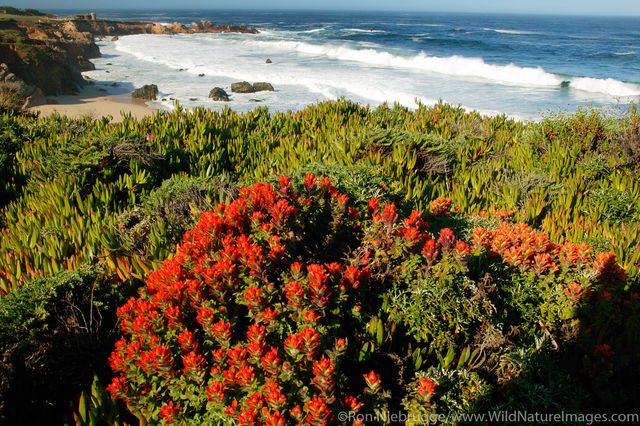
x: 50, y: 54
x: 117, y: 28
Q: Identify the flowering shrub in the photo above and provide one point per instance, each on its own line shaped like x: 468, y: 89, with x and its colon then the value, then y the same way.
x: 285, y: 307
x: 244, y: 321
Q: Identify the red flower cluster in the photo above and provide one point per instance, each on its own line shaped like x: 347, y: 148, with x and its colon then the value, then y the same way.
x: 241, y: 323
x: 373, y: 381
x: 441, y: 206
x: 522, y: 246
x: 209, y: 324
x: 426, y: 387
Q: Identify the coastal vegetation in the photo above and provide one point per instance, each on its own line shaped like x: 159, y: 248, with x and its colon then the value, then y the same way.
x: 198, y: 266
x: 28, y: 14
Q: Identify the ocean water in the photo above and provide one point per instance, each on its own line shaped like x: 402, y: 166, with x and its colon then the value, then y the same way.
x: 521, y: 65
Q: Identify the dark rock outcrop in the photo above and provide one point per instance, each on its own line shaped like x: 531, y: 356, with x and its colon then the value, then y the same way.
x: 148, y: 92
x: 119, y: 28
x: 45, y: 55
x: 269, y: 61
x: 219, y: 94
x: 262, y: 87
x: 242, y: 87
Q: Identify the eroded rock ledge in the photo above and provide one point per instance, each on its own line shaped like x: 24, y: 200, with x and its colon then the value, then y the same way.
x: 50, y: 54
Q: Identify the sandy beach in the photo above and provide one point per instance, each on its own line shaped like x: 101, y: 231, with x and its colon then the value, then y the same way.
x: 95, y: 102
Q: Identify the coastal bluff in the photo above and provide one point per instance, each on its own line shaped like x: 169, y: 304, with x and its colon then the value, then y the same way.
x: 50, y: 54
x: 117, y: 28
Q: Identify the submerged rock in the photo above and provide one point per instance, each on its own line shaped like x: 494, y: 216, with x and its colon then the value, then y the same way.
x: 263, y: 87
x: 242, y: 87
x: 148, y: 92
x: 219, y: 94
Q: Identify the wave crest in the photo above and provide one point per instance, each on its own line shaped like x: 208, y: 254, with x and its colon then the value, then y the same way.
x: 461, y: 66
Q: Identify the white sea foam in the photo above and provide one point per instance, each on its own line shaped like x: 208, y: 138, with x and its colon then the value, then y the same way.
x: 458, y: 66
x: 514, y: 32
x: 361, y: 30
x: 609, y: 86
x: 305, y: 73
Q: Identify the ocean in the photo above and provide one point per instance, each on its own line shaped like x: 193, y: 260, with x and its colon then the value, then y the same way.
x: 522, y: 65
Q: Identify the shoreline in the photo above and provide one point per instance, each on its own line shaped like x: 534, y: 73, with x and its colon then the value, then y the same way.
x: 95, y: 102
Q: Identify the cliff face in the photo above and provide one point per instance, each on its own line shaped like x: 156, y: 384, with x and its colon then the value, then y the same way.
x: 115, y: 28
x: 46, y: 56
x: 51, y: 54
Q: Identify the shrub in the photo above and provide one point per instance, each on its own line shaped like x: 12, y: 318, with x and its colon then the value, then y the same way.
x: 11, y: 98
x: 102, y: 159
x: 292, y: 306
x: 154, y: 228
x: 358, y: 181
x: 54, y: 333
x: 243, y: 295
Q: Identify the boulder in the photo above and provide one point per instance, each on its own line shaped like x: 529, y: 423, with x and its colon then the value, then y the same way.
x: 148, y: 92
x: 157, y: 28
x: 205, y: 25
x: 4, y: 70
x: 35, y: 98
x: 176, y: 27
x: 218, y: 94
x: 116, y: 38
x: 269, y: 61
x: 262, y: 87
x: 242, y: 87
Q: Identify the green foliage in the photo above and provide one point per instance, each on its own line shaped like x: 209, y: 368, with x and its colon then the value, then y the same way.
x: 537, y: 380
x: 360, y: 182
x: 168, y: 211
x: 22, y: 12
x: 443, y: 307
x: 28, y: 312
x: 101, y: 158
x: 75, y: 191
x: 613, y: 204
x: 95, y: 407
x: 10, y: 144
x: 54, y: 333
x: 460, y: 390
